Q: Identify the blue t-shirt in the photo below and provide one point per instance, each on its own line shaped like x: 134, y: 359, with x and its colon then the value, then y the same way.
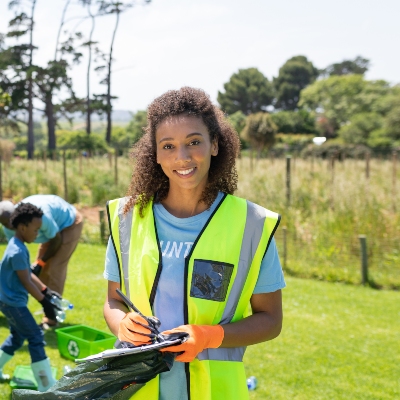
x: 176, y: 236
x: 15, y: 258
x: 57, y: 215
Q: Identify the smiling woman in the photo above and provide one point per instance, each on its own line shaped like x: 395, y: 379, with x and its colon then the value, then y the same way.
x: 187, y: 251
x: 166, y: 113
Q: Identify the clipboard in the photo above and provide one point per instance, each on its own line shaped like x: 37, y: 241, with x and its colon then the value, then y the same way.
x: 127, y: 351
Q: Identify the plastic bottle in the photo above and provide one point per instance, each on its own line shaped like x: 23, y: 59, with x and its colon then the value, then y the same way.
x: 63, y: 305
x: 252, y: 383
x: 66, y: 305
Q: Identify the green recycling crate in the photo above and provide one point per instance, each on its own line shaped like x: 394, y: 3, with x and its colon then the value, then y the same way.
x: 23, y: 377
x: 80, y: 341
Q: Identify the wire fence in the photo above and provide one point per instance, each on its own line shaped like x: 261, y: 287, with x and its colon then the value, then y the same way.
x: 341, y: 258
x: 333, y: 257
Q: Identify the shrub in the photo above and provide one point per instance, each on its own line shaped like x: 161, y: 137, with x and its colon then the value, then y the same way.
x: 336, y: 149
x: 260, y: 130
x: 300, y: 121
x: 6, y: 149
x: 78, y: 140
x: 358, y: 130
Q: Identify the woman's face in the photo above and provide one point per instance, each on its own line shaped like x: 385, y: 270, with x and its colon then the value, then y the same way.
x: 184, y: 152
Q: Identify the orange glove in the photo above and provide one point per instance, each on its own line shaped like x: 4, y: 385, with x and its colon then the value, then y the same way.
x: 134, y: 329
x: 200, y: 337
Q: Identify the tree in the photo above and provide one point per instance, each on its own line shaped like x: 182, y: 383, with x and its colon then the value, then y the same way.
x: 5, y: 101
x: 20, y: 25
x: 392, y: 123
x: 116, y: 8
x: 13, y: 82
x: 238, y: 121
x: 248, y: 91
x: 260, y: 130
x: 48, y: 80
x: 294, y: 75
x: 360, y: 127
x: 338, y: 98
x: 357, y: 66
x: 136, y: 125
x: 5, y: 124
x: 89, y: 45
x: 300, y: 121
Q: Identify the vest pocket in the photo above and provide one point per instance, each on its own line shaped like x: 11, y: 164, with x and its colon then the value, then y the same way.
x: 210, y: 279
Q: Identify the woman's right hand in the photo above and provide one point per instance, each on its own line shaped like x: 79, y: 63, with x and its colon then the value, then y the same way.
x: 133, y: 328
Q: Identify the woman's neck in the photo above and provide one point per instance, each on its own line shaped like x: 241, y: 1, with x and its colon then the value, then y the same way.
x: 183, y: 205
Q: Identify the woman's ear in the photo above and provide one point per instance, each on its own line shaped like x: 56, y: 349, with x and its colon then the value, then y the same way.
x: 214, y: 147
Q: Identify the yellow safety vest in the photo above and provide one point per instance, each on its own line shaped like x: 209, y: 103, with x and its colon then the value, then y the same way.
x: 221, y: 271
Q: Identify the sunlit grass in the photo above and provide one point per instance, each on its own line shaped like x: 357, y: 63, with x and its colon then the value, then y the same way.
x: 338, y: 341
x: 327, y: 213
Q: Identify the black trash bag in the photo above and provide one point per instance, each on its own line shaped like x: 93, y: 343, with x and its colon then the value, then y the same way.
x: 113, y: 378
x: 116, y: 378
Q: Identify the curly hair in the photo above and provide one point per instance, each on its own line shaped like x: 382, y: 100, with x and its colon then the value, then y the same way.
x: 24, y: 214
x: 148, y: 177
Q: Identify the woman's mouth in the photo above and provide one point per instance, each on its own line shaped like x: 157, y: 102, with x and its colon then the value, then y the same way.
x: 185, y: 172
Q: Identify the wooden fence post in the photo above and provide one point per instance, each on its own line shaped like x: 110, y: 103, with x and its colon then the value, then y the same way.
x: 364, y: 259
x: 284, y: 246
x: 288, y: 158
x: 80, y: 163
x: 102, y: 226
x: 367, y: 159
x: 65, y: 177
x: 394, y: 178
x: 116, y: 167
x: 312, y: 161
x: 332, y: 168
x: 1, y: 180
x: 45, y: 159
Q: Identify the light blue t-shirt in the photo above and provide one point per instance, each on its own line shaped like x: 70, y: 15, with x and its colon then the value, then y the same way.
x: 57, y: 215
x: 176, y: 237
x: 16, y: 257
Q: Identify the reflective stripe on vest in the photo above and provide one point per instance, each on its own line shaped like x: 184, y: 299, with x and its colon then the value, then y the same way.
x: 237, y: 234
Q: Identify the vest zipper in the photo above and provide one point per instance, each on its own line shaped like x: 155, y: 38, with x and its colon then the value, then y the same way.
x: 159, y: 268
x: 112, y: 240
x: 185, y: 288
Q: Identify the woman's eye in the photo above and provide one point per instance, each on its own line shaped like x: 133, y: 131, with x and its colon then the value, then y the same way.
x: 194, y: 142
x: 167, y: 146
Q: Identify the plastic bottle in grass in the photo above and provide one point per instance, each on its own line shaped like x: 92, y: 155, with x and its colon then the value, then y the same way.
x: 252, y: 383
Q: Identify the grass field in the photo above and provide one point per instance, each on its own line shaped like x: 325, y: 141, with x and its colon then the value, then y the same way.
x: 338, y: 341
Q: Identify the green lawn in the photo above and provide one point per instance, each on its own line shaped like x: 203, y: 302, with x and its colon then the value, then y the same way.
x: 338, y: 341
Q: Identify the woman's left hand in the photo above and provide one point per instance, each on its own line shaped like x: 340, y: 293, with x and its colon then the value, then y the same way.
x: 200, y: 337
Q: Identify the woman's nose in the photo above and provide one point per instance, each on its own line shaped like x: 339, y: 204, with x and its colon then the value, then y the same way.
x: 182, y: 154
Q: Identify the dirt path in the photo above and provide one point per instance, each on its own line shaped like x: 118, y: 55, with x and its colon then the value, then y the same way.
x: 91, y: 214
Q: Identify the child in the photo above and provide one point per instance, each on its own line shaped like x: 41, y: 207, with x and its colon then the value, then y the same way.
x: 16, y: 281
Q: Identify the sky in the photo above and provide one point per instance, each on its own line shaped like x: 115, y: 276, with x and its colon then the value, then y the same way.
x: 168, y: 44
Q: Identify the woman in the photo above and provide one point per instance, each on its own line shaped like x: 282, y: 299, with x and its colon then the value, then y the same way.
x: 188, y: 252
